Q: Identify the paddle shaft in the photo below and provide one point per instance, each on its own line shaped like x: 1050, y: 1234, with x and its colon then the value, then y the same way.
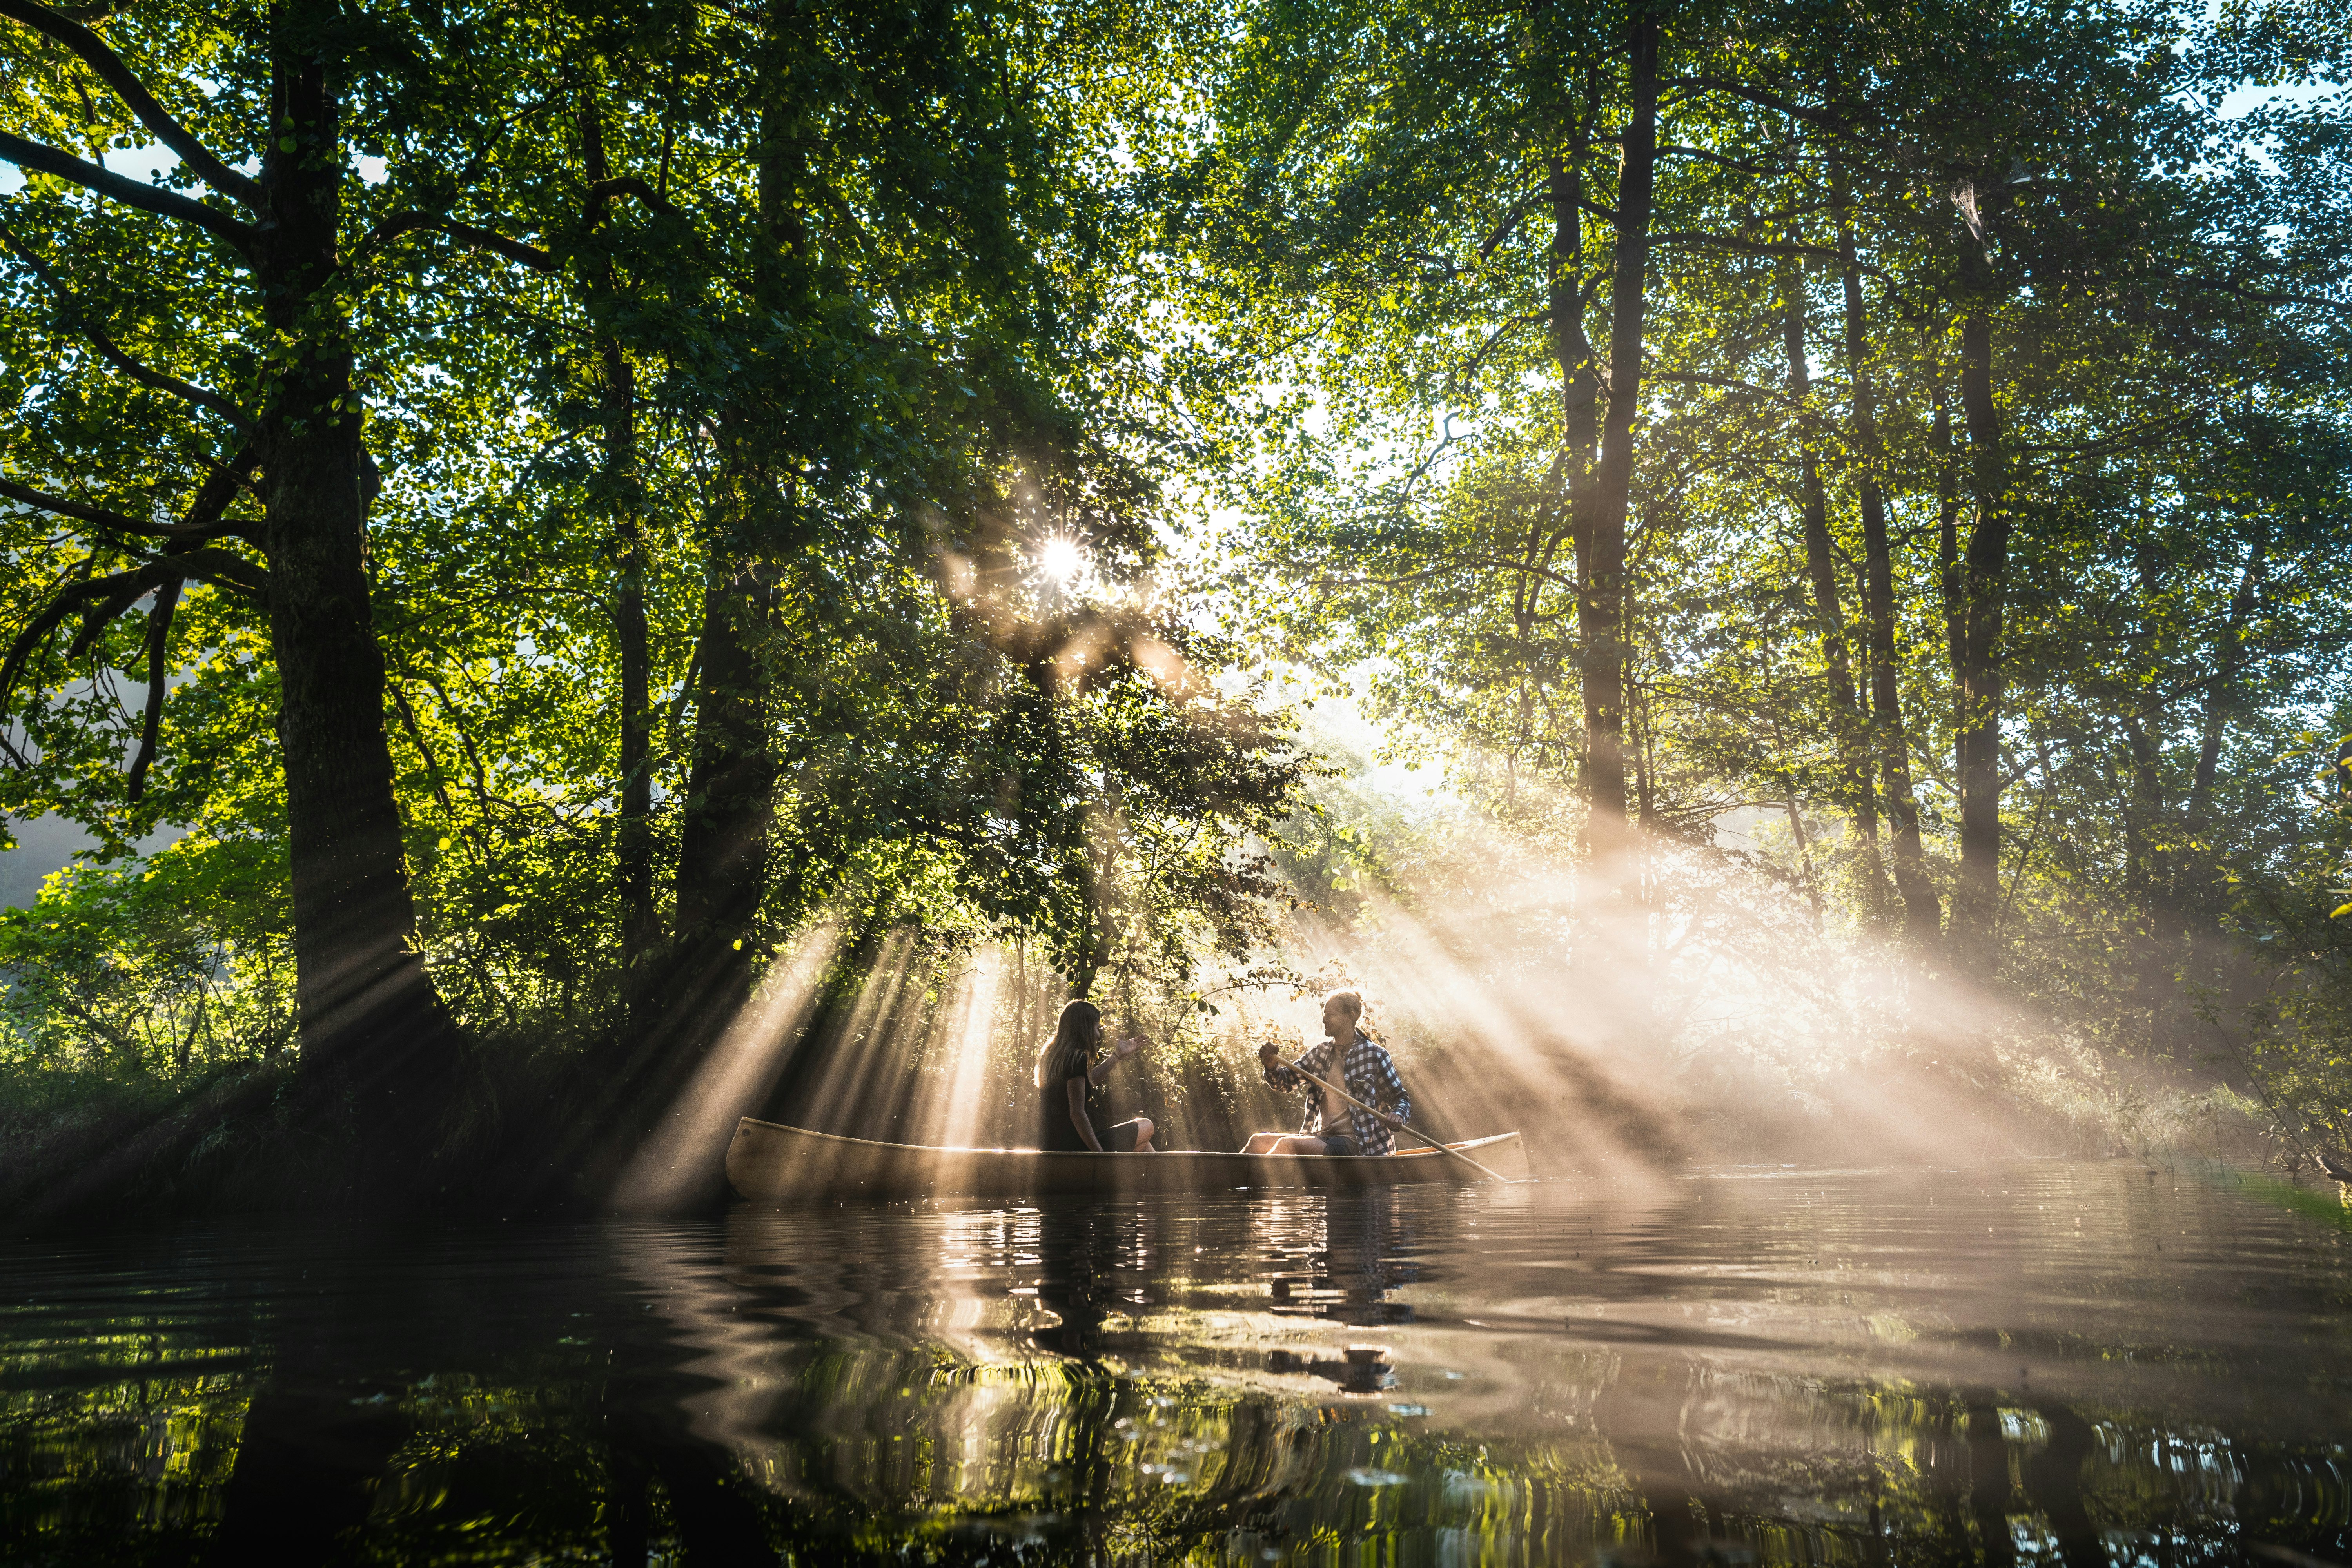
x: 1399, y: 1126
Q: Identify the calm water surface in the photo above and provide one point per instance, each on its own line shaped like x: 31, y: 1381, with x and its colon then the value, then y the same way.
x: 2066, y: 1364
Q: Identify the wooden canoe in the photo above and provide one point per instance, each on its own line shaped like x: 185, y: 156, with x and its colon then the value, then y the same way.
x: 768, y: 1162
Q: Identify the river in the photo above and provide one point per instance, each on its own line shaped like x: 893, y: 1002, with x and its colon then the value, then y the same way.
x: 2074, y: 1364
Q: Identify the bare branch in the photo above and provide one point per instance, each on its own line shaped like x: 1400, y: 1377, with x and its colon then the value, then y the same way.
x: 133, y: 93
x: 45, y: 160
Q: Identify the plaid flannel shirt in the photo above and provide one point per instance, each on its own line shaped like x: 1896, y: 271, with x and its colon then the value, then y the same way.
x: 1368, y: 1074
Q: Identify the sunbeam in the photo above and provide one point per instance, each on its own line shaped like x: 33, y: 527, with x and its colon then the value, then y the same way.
x: 676, y: 1162
x: 952, y: 1103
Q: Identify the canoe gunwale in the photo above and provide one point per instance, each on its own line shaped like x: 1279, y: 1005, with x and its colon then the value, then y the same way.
x: 769, y: 1161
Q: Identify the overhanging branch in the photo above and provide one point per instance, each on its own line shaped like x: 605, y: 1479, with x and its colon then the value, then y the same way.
x: 41, y: 159
x: 79, y: 320
x: 101, y: 517
x: 101, y: 599
x: 111, y: 70
x: 411, y: 222
x: 1755, y: 246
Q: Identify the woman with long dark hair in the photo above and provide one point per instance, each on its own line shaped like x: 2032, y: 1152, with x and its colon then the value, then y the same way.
x: 1070, y: 1067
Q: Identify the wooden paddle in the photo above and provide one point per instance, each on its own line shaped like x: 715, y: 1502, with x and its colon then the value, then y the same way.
x: 1399, y: 1126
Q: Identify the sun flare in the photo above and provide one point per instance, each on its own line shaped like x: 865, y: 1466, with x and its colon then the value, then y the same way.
x: 1061, y: 559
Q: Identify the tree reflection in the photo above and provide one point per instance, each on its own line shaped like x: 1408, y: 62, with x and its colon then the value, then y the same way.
x: 1210, y: 1381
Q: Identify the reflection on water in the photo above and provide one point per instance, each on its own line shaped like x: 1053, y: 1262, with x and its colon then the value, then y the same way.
x: 2030, y: 1364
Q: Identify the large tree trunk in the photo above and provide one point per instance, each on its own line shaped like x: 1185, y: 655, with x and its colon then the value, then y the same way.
x: 729, y: 816
x: 1983, y: 572
x: 1848, y: 725
x: 1600, y: 566
x: 728, y: 820
x: 370, y: 1022
x: 1922, y: 912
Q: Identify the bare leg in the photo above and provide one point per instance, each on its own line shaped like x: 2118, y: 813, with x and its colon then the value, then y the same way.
x: 1262, y: 1142
x: 1143, y: 1129
x: 1299, y: 1144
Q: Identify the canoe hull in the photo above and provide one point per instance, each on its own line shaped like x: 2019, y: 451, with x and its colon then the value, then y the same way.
x: 768, y: 1163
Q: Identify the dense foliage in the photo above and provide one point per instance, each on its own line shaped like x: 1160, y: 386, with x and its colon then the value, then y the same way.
x: 543, y: 507
x: 1976, y: 512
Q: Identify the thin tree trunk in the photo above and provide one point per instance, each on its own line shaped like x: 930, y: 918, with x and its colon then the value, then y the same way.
x: 2147, y: 872
x: 1983, y: 572
x: 1948, y: 564
x: 1601, y: 598
x: 1580, y: 376
x: 622, y: 495
x: 2194, y: 884
x: 633, y: 839
x: 2220, y: 691
x: 1948, y: 535
x: 370, y: 1021
x: 1922, y: 911
x: 1847, y: 725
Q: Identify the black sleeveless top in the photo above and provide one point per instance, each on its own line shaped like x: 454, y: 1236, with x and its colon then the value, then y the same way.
x: 1055, y: 1128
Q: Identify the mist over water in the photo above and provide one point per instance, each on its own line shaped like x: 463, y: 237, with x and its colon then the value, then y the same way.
x: 2104, y: 1362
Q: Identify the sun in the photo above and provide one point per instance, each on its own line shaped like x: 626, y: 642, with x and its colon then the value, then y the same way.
x: 1060, y: 559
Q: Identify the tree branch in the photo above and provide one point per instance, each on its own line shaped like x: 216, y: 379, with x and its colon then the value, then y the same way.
x: 1470, y: 371
x: 76, y: 319
x: 101, y: 599
x: 1727, y: 383
x: 1766, y: 171
x: 1818, y: 118
x: 514, y: 250
x: 45, y: 160
x: 1756, y: 247
x: 1510, y: 221
x: 133, y: 93
x: 631, y: 186
x: 1456, y: 561
x: 150, y: 728
x: 99, y: 517
x: 2257, y: 297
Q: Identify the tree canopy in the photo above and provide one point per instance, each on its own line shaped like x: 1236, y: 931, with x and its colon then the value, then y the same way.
x: 543, y: 507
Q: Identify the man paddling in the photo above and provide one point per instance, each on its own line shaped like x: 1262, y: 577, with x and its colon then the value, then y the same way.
x: 1364, y: 1070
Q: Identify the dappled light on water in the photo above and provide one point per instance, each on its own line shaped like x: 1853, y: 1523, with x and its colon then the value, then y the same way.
x: 2087, y: 1363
